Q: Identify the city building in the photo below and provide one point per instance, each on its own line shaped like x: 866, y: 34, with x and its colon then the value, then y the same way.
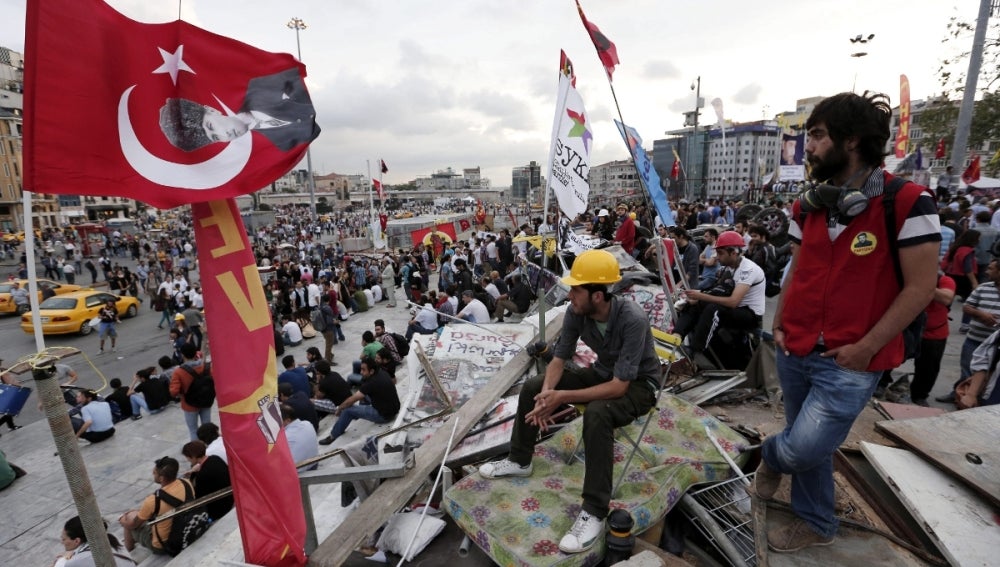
x: 744, y: 160
x: 526, y: 183
x: 612, y: 182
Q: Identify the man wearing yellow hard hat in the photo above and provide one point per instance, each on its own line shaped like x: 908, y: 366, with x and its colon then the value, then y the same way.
x: 620, y: 386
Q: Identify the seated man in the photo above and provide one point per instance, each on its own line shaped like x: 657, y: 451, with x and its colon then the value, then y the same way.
x: 295, y: 375
x: 136, y: 522
x: 148, y: 392
x: 209, y: 473
x: 980, y: 389
x: 619, y: 387
x: 516, y: 300
x: 301, y: 436
x: 742, y: 309
x: 95, y: 423
x: 475, y: 311
x: 378, y: 397
x: 291, y: 333
x: 331, y: 391
x: 425, y: 322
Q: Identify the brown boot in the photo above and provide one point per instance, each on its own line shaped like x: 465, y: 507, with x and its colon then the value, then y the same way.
x: 795, y: 536
x: 766, y: 481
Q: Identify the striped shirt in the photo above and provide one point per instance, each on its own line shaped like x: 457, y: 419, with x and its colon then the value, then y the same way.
x: 921, y: 224
x: 986, y: 297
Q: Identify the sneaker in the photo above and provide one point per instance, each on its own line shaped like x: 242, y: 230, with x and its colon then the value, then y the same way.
x: 963, y: 329
x: 583, y: 535
x: 136, y: 417
x: 326, y: 440
x: 766, y: 481
x: 506, y: 467
x: 100, y: 352
x: 795, y: 536
x: 113, y: 349
x: 948, y: 398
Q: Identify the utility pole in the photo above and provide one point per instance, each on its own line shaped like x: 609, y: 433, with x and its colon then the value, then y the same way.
x: 297, y: 24
x: 969, y: 96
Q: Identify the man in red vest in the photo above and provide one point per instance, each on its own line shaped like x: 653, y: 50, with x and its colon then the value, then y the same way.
x: 839, y: 318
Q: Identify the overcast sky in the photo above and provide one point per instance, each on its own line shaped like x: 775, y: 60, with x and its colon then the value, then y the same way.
x: 431, y: 84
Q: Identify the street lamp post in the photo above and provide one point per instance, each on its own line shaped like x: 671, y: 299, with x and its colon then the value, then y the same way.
x: 297, y: 24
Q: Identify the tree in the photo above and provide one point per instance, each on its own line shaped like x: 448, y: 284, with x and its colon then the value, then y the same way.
x: 953, y: 69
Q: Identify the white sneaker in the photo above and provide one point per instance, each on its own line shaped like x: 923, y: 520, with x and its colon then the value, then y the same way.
x: 583, y: 535
x: 506, y: 467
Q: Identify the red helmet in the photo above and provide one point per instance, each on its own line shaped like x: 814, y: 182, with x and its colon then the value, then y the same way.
x: 730, y: 238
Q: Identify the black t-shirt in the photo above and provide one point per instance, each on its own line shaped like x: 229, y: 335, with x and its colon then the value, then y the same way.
x: 382, y: 392
x: 304, y: 408
x: 334, y: 388
x: 521, y: 296
x: 156, y: 391
x: 120, y: 397
x: 214, y: 475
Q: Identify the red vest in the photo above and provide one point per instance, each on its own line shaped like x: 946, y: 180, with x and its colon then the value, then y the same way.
x: 841, y: 289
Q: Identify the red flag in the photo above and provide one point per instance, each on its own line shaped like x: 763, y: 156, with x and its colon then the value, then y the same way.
x: 971, y: 174
x: 606, y: 49
x: 447, y: 228
x: 378, y: 188
x: 464, y: 225
x: 675, y: 170
x: 169, y: 122
x: 265, y: 483
x: 940, y: 151
x: 385, y: 168
x: 903, y: 135
x: 510, y: 215
x: 566, y: 68
x: 97, y: 131
x: 383, y: 219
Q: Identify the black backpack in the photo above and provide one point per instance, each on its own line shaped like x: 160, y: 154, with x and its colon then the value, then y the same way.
x: 185, y: 527
x: 201, y: 392
x: 914, y: 332
x: 402, y: 345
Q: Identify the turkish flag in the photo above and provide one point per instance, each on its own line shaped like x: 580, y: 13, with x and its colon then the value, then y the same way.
x: 940, y: 151
x: 168, y: 114
x: 383, y: 220
x: 606, y: 49
x: 464, y: 225
x: 378, y: 188
x: 971, y: 174
x: 675, y: 170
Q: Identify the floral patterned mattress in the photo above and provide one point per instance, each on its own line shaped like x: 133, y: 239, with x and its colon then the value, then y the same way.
x: 519, y: 521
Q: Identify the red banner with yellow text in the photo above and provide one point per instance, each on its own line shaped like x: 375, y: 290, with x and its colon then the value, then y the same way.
x: 903, y: 134
x: 265, y: 482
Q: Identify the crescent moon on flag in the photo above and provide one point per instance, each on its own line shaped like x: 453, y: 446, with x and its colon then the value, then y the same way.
x: 209, y: 174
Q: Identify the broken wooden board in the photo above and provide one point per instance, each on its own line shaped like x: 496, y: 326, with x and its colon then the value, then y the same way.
x: 962, y: 443
x: 705, y: 392
x: 395, y: 492
x: 907, y: 411
x: 961, y: 524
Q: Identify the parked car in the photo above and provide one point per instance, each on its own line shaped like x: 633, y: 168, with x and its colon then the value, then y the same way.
x: 7, y: 303
x: 72, y: 312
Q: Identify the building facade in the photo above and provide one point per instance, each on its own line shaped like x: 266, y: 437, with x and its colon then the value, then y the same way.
x: 744, y: 160
x: 612, y: 182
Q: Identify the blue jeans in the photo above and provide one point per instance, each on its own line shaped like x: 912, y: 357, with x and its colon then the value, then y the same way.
x: 138, y: 402
x: 357, y: 411
x: 191, y: 418
x: 965, y: 359
x: 417, y: 328
x: 822, y: 400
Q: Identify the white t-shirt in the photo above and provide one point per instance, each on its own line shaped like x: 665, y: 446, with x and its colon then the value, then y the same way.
x: 293, y: 331
x: 218, y: 449
x: 752, y: 275
x: 301, y: 440
x: 475, y: 312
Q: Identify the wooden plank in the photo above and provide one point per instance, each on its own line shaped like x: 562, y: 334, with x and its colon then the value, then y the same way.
x: 907, y: 411
x: 960, y: 523
x: 394, y: 493
x: 962, y: 443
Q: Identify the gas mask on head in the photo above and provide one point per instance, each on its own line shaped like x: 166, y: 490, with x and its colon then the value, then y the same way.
x: 847, y: 202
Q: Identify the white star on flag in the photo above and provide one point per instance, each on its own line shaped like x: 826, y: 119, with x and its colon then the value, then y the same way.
x: 173, y: 63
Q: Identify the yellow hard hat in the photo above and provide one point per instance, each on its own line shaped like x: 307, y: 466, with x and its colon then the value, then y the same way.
x: 593, y: 267
x: 179, y: 317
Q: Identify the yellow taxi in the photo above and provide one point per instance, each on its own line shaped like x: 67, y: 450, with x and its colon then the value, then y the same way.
x: 7, y: 302
x: 404, y: 215
x: 72, y: 312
